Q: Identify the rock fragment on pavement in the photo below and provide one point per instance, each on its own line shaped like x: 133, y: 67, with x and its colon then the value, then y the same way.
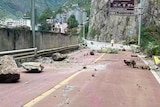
x: 130, y: 63
x: 58, y: 56
x: 92, y: 52
x: 8, y: 70
x: 33, y: 66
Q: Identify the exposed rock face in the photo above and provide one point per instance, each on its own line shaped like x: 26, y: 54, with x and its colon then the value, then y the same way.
x: 8, y: 69
x: 104, y: 27
x: 109, y: 26
x: 151, y: 12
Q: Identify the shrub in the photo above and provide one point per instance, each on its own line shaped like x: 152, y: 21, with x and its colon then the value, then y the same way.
x: 94, y: 32
x: 150, y: 40
x: 72, y: 22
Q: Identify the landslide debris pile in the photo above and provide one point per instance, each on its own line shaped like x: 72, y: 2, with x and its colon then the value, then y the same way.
x: 8, y: 70
x: 132, y: 63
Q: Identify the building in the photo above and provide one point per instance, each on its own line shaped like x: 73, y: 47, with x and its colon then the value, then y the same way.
x: 60, y: 27
x: 79, y: 13
x: 11, y: 23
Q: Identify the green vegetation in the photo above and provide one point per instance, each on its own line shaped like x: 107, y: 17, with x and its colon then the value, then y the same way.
x: 72, y: 32
x: 86, y: 29
x: 94, y: 32
x: 17, y: 8
x: 72, y: 22
x: 45, y: 27
x: 150, y: 40
x: 72, y: 25
x: 47, y: 14
x: 123, y: 31
x: 127, y: 20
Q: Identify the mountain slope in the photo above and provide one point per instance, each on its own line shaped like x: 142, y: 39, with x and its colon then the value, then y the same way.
x: 16, y: 8
x: 104, y: 27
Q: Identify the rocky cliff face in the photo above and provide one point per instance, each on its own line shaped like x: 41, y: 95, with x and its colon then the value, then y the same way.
x: 151, y: 14
x: 104, y: 27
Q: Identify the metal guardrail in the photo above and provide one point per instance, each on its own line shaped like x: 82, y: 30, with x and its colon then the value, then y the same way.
x: 22, y: 53
x: 53, y: 50
x: 32, y: 52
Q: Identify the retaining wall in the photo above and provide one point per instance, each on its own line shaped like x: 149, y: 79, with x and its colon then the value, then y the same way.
x: 11, y: 39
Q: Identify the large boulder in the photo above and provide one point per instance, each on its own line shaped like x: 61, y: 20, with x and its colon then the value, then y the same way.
x: 58, y: 56
x: 33, y: 66
x: 8, y: 69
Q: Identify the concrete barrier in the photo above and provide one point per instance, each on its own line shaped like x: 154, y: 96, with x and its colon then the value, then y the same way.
x: 12, y: 39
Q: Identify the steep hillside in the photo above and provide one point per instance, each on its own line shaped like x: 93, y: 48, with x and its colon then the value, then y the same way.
x: 103, y: 26
x: 16, y: 8
x: 82, y: 3
x: 86, y: 4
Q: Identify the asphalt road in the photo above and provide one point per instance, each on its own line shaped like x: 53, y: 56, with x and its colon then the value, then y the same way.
x: 101, y: 80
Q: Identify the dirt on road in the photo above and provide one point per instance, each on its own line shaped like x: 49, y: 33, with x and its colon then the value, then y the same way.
x: 84, y: 80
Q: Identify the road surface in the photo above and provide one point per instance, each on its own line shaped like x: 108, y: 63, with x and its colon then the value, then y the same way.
x: 100, y: 80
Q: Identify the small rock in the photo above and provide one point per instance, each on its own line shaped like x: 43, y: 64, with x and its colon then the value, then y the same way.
x: 92, y: 52
x: 84, y: 67
x: 93, y: 75
x: 138, y: 86
x: 130, y: 63
x: 123, y: 49
x: 92, y: 43
x: 134, y: 56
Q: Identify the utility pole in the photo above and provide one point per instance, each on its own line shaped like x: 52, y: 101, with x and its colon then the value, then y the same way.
x: 140, y: 23
x: 83, y: 24
x: 33, y: 21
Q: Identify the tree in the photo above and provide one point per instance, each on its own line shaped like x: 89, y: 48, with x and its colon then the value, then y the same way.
x: 72, y: 22
x: 47, y: 14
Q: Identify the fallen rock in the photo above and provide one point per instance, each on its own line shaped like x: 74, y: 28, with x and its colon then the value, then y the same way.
x: 8, y: 70
x: 58, y: 56
x: 93, y: 75
x: 92, y: 52
x: 132, y: 42
x: 35, y: 67
x: 123, y: 49
x: 130, y: 63
x: 84, y: 67
x: 134, y: 55
x: 143, y: 67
